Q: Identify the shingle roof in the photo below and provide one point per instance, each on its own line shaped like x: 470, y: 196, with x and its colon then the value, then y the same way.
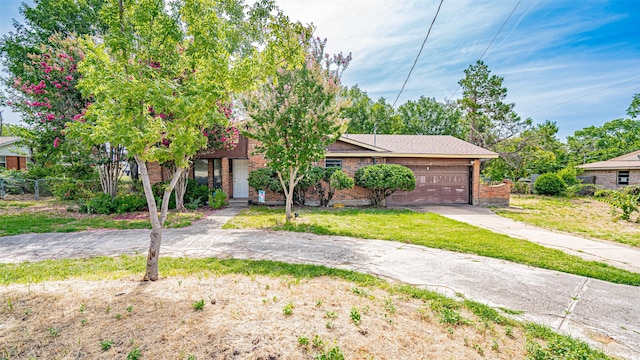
x: 428, y: 145
x: 6, y: 140
x: 627, y: 161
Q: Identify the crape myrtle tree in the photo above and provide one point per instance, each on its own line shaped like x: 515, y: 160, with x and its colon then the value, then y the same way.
x: 50, y: 100
x: 296, y: 115
x: 33, y: 57
x: 160, y: 71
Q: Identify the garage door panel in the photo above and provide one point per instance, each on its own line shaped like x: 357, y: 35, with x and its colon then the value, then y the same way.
x: 436, y: 185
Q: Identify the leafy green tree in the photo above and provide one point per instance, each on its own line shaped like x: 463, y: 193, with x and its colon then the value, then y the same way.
x: 366, y: 116
x: 599, y: 143
x: 63, y: 18
x: 535, y: 151
x: 382, y: 180
x: 41, y: 57
x: 160, y: 72
x: 297, y: 115
x: 427, y: 116
x: 487, y: 117
x: 634, y: 108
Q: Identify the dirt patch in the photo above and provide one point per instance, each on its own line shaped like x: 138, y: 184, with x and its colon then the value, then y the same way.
x: 242, y: 318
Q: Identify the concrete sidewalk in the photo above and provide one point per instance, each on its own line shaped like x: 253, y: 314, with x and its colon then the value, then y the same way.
x: 603, y: 314
x: 615, y: 254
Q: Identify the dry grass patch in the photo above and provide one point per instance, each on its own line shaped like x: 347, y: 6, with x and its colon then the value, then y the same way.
x: 243, y: 317
x: 582, y: 216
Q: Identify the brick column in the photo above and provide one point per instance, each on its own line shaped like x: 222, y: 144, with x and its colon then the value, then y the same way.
x: 226, y: 178
x: 475, y: 199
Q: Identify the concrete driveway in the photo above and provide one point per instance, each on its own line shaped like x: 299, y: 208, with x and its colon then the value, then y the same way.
x: 603, y: 314
x: 615, y: 254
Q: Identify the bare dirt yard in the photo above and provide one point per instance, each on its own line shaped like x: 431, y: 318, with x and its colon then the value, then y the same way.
x: 239, y: 317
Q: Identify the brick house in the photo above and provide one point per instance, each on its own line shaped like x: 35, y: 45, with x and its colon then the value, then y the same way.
x: 615, y: 173
x: 447, y: 169
x: 12, y: 155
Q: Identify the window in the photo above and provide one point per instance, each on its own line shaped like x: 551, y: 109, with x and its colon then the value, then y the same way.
x: 623, y: 177
x: 201, y: 171
x: 217, y: 173
x: 3, y: 161
x: 333, y: 163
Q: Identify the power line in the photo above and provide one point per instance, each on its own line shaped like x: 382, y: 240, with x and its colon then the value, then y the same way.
x: 419, y: 52
x: 584, y: 96
x: 492, y: 40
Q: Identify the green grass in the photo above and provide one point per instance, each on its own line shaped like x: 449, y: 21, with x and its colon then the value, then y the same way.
x: 43, y: 222
x: 100, y: 268
x: 6, y: 204
x: 582, y: 216
x: 433, y: 231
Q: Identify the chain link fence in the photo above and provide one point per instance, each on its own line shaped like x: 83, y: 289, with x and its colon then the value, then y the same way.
x: 24, y: 189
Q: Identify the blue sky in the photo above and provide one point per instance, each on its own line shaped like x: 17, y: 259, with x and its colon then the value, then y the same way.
x: 574, y: 62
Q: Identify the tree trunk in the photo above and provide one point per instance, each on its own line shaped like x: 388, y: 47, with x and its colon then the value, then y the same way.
x: 109, y: 169
x: 288, y: 188
x: 156, y: 222
x: 156, y: 227
x: 181, y: 189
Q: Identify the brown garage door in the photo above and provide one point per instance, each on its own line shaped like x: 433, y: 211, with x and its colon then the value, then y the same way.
x: 435, y: 185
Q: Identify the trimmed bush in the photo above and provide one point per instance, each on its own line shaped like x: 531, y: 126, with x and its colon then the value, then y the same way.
x: 383, y: 180
x: 569, y: 175
x: 549, y: 184
x: 103, y: 204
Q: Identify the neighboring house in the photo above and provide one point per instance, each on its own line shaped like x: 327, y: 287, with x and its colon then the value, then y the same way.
x: 12, y: 155
x: 615, y: 173
x: 447, y: 169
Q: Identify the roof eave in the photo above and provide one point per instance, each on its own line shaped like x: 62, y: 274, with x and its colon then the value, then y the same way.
x: 361, y: 144
x: 412, y: 155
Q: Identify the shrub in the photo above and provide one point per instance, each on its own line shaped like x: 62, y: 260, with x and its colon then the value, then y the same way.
x: 68, y: 189
x: 264, y: 179
x: 383, y: 180
x: 521, y: 187
x: 549, y: 184
x: 583, y: 189
x: 103, y: 204
x: 196, y: 192
x: 311, y: 178
x: 218, y: 199
x: 626, y: 199
x: 569, y: 175
x: 194, y: 196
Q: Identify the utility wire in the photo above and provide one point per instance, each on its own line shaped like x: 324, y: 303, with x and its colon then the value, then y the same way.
x: 584, y: 96
x: 492, y: 40
x: 419, y: 52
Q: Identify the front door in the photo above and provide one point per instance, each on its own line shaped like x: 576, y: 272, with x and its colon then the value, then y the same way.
x: 240, y: 178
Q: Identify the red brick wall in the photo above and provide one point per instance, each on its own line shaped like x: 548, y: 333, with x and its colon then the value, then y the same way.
x: 13, y: 162
x: 157, y: 173
x: 475, y: 184
x: 495, y: 195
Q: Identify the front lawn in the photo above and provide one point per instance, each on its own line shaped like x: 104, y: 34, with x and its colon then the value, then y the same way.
x: 19, y: 217
x: 582, y: 216
x: 211, y: 308
x: 429, y: 230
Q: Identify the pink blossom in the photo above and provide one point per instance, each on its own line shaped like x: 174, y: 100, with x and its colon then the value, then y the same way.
x: 56, y: 142
x: 51, y: 117
x: 69, y: 77
x: 58, y: 86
